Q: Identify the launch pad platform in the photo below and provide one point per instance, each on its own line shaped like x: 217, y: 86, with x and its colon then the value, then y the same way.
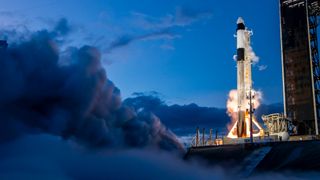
x: 247, y: 159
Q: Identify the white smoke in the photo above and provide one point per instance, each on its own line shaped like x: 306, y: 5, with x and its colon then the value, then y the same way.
x: 232, y: 104
x: 252, y: 55
x: 262, y: 67
x: 234, y: 57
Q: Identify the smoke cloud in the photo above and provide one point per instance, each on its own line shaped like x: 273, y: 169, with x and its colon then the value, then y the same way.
x: 69, y: 95
x: 232, y: 105
x: 181, y: 119
x: 252, y: 55
x: 47, y: 157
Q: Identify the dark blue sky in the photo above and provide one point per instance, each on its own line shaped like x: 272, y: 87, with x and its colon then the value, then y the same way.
x: 181, y: 49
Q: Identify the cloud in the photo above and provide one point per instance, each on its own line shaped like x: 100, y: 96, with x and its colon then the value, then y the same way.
x: 186, y: 16
x: 13, y: 25
x: 154, y: 28
x: 20, y: 31
x: 183, y: 119
x: 62, y: 27
x: 125, y: 40
x: 262, y: 67
x: 167, y: 47
x: 182, y: 16
x: 7, y: 13
x: 69, y: 95
x: 48, y: 157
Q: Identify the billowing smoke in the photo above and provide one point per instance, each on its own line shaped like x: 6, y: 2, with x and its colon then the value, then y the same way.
x: 69, y: 94
x: 232, y: 105
x: 252, y: 55
x: 47, y: 157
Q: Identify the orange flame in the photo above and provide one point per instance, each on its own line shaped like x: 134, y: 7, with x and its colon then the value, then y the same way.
x: 232, y: 111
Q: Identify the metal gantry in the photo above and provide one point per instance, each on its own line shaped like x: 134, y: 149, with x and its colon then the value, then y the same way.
x: 313, y: 15
x: 277, y: 123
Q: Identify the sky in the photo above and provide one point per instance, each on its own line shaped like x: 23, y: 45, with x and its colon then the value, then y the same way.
x: 181, y: 49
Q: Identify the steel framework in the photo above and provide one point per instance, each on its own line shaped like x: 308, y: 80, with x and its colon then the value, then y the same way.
x: 313, y: 15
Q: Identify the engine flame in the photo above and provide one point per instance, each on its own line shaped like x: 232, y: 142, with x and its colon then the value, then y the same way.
x: 232, y: 110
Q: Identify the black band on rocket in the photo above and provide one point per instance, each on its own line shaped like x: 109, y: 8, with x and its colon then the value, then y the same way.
x: 241, y: 26
x: 240, y: 54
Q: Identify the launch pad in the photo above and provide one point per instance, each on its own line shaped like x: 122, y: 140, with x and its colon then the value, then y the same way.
x: 250, y: 158
x: 289, y: 140
x: 242, y: 103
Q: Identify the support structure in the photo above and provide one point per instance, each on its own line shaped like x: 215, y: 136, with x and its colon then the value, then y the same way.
x: 300, y: 63
x: 313, y: 18
x: 251, y: 114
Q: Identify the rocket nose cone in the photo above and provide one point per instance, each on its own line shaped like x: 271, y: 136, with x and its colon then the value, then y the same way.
x: 240, y: 20
x: 240, y: 24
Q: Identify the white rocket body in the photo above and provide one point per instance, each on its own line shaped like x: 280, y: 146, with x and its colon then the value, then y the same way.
x: 244, y: 80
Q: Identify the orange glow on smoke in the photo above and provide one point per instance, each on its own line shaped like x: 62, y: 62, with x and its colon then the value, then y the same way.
x: 232, y: 110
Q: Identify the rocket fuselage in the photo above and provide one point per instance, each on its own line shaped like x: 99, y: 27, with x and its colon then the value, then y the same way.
x: 244, y: 82
x: 243, y: 127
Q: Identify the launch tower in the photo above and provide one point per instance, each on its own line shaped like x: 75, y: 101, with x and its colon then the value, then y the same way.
x: 300, y: 63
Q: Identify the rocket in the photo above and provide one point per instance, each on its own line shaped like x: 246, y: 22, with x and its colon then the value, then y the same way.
x: 244, y: 80
x: 243, y: 127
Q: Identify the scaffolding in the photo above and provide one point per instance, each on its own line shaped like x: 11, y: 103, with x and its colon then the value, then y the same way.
x: 313, y: 18
x: 278, y: 123
x: 300, y: 63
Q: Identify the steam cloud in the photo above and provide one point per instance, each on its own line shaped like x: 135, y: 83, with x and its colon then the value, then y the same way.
x: 69, y: 95
x: 232, y: 105
x: 47, y: 157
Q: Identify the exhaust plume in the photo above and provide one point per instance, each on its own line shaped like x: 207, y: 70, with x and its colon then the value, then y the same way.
x: 232, y: 106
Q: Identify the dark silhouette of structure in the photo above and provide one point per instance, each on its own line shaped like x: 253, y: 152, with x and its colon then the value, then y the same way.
x: 300, y: 63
